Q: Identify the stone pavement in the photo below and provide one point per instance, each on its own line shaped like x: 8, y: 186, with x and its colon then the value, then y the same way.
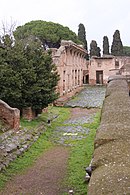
x: 74, y: 128
x: 89, y: 97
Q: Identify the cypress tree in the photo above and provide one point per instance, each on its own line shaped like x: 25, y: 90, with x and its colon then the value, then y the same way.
x: 82, y: 35
x: 117, y: 46
x: 105, y: 45
x: 94, y: 49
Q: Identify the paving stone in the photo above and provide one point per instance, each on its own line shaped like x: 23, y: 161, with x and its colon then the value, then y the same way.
x: 90, y: 97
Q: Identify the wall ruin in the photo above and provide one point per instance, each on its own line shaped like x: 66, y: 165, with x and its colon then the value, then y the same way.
x: 9, y: 116
x: 111, y: 159
x: 70, y: 61
x: 106, y: 66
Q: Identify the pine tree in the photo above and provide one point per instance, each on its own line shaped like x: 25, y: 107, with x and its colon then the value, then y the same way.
x: 49, y: 33
x: 94, y: 49
x: 105, y: 45
x: 117, y: 46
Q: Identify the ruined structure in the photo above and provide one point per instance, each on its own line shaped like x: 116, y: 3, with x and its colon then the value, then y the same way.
x: 111, y: 159
x: 71, y: 65
x: 28, y: 113
x: 100, y: 68
x: 9, y: 116
x: 75, y: 70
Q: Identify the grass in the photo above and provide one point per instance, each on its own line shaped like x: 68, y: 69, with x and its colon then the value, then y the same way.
x: 80, y: 157
x: 80, y: 153
x: 21, y: 164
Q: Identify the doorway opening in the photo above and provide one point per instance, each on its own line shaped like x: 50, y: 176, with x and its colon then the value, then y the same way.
x: 99, y: 77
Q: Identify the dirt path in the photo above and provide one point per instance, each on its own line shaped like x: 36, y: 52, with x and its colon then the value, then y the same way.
x: 44, y: 178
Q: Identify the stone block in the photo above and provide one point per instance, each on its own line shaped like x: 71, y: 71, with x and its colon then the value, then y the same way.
x: 9, y: 116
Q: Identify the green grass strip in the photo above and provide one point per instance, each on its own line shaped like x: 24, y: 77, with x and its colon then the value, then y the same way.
x: 80, y: 157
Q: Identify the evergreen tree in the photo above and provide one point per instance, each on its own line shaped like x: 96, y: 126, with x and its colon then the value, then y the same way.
x: 105, y: 45
x: 46, y: 77
x: 117, y: 46
x: 98, y: 52
x: 94, y: 49
x: 49, y: 33
x: 28, y: 78
x: 126, y: 51
x: 10, y: 63
x: 82, y: 35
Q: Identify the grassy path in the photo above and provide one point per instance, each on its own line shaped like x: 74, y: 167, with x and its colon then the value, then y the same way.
x: 50, y: 168
x: 44, y: 177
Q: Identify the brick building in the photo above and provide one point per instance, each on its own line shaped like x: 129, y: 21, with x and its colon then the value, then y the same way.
x: 100, y: 68
x: 71, y: 65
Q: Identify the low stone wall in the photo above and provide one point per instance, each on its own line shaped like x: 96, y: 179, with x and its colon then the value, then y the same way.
x: 63, y: 99
x: 10, y: 116
x: 111, y: 160
x: 13, y: 144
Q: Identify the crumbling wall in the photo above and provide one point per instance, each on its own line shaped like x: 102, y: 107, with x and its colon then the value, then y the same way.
x: 28, y: 113
x: 111, y: 160
x: 14, y: 144
x: 10, y: 116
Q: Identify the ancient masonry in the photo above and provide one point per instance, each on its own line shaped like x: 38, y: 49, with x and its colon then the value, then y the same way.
x: 10, y: 116
x: 14, y: 144
x: 100, y: 68
x: 71, y: 65
x: 111, y: 160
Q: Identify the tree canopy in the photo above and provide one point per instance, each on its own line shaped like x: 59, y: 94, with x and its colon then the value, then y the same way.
x: 117, y: 46
x: 28, y: 78
x: 49, y: 33
x: 94, y: 49
x: 105, y: 45
x: 126, y: 51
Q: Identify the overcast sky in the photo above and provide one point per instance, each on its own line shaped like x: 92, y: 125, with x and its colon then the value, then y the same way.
x: 100, y: 17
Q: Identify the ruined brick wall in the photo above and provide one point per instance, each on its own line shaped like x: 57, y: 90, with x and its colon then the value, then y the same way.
x: 110, y: 65
x: 111, y: 160
x: 100, y: 64
x: 28, y: 113
x: 70, y: 61
x: 10, y: 116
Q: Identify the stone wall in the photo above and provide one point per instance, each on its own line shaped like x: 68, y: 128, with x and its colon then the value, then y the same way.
x: 13, y: 144
x: 10, y: 116
x: 111, y: 159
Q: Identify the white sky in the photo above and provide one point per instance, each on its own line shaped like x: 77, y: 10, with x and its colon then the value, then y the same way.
x: 100, y: 17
